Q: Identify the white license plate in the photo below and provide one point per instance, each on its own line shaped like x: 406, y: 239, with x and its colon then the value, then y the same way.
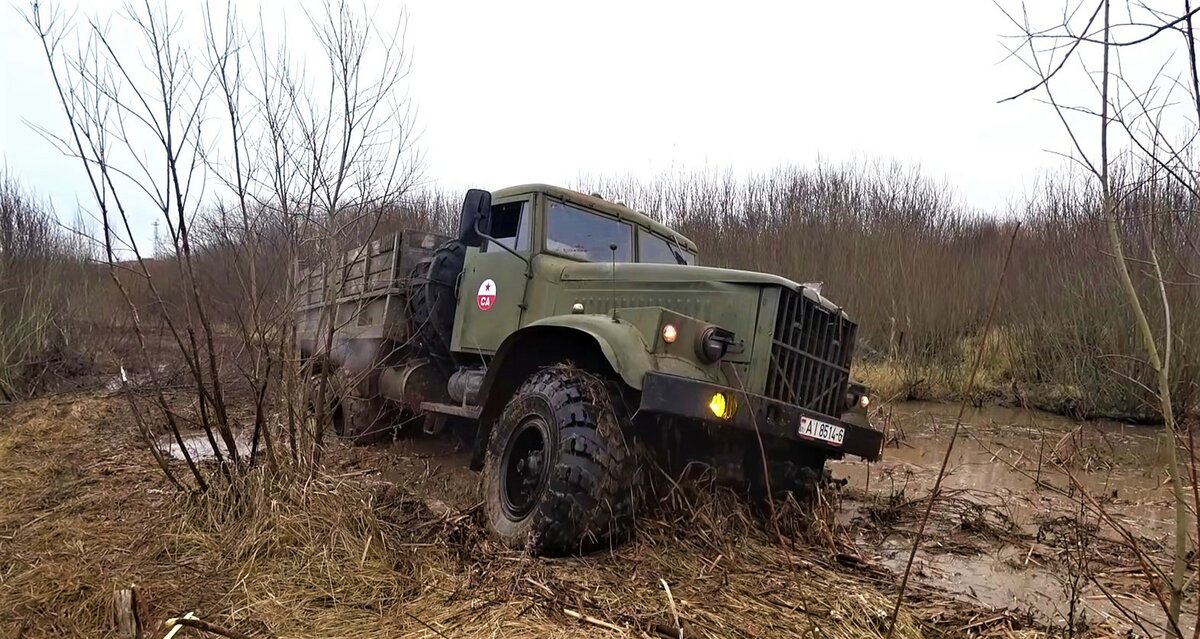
x: 814, y: 429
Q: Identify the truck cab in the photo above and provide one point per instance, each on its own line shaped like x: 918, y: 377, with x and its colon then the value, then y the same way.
x: 536, y: 232
x: 558, y: 258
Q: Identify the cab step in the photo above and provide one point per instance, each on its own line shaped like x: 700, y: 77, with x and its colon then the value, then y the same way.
x: 437, y: 414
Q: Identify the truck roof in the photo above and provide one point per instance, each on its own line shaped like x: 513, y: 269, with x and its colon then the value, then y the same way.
x: 600, y: 204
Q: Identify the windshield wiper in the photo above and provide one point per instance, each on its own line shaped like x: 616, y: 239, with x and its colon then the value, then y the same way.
x: 679, y: 259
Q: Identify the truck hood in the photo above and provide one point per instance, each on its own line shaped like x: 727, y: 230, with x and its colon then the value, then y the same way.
x: 637, y: 272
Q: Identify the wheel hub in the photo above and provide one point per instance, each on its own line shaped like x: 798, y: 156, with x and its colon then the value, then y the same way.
x: 524, y: 468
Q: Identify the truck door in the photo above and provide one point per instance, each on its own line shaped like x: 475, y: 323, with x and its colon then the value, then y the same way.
x: 492, y: 291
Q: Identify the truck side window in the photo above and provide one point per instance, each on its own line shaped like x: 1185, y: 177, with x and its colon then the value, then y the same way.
x: 577, y: 233
x: 510, y: 226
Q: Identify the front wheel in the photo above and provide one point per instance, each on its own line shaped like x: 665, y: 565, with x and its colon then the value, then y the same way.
x: 559, y: 476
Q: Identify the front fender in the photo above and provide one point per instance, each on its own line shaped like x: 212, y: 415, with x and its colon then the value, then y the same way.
x: 620, y: 341
x: 588, y: 340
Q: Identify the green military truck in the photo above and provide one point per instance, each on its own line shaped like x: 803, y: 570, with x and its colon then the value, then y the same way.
x: 572, y: 335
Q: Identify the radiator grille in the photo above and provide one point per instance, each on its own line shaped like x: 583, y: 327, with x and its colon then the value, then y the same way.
x: 810, y: 355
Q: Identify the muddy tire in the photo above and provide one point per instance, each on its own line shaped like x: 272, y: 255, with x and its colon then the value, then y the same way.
x: 559, y: 476
x: 355, y: 420
x: 363, y: 421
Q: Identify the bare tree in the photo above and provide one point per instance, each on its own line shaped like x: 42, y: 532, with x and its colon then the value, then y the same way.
x: 1140, y: 116
x: 250, y: 162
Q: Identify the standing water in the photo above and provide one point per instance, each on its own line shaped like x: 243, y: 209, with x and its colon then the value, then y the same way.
x: 199, y: 447
x: 1008, y: 529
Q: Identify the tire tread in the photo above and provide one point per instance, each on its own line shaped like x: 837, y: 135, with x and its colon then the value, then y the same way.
x: 591, y: 494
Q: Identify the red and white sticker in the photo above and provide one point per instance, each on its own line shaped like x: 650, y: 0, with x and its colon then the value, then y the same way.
x: 487, y: 295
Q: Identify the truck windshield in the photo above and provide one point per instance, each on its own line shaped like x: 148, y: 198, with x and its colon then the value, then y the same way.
x: 656, y: 249
x: 587, y: 236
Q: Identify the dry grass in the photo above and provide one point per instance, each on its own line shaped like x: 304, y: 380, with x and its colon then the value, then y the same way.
x: 336, y: 558
x: 998, y: 381
x: 79, y: 516
x: 349, y: 555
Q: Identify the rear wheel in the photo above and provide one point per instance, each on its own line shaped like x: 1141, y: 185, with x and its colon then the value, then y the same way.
x: 356, y: 420
x: 559, y: 476
x: 363, y: 421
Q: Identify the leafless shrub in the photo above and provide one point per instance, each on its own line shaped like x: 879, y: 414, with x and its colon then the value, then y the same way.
x: 1135, y: 124
x: 251, y: 161
x: 43, y: 281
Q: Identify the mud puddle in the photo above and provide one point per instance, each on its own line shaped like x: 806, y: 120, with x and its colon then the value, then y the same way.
x: 1005, y: 532
x: 199, y: 448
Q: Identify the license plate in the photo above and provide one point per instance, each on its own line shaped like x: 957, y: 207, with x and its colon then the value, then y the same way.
x: 814, y: 429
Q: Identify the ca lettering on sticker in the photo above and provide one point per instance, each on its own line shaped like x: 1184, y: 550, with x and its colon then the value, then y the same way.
x: 487, y: 295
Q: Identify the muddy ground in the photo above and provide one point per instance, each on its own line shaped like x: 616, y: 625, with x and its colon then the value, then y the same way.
x: 1003, y: 536
x: 1013, y: 533
x: 385, y: 541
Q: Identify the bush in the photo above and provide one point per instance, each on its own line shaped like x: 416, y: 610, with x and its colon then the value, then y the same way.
x: 41, y: 273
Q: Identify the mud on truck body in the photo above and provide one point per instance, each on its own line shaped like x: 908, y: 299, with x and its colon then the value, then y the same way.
x: 571, y: 335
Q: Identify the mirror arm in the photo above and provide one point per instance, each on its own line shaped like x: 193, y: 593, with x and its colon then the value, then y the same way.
x: 493, y: 240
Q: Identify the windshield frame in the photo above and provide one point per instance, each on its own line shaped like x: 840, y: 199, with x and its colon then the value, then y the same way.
x: 635, y: 227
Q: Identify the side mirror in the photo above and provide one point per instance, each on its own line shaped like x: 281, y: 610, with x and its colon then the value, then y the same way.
x: 476, y: 217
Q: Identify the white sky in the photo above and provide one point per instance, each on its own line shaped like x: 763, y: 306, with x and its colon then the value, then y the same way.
x: 548, y: 91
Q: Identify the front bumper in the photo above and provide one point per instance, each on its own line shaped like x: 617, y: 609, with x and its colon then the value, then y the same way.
x: 677, y: 396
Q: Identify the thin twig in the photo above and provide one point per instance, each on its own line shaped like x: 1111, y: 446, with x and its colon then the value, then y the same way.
x: 178, y: 626
x: 205, y: 626
x: 594, y: 621
x: 962, y: 409
x: 674, y: 610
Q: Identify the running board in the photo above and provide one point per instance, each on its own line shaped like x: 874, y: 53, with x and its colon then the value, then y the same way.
x: 436, y: 414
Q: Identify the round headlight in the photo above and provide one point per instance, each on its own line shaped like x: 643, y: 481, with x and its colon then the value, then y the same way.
x: 721, y: 406
x: 711, y: 348
x: 864, y: 401
x: 669, y: 334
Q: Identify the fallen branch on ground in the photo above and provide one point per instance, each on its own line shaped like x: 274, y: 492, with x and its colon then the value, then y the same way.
x: 594, y: 621
x: 199, y: 624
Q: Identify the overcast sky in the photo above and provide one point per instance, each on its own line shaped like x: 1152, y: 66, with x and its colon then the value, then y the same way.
x: 513, y: 92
